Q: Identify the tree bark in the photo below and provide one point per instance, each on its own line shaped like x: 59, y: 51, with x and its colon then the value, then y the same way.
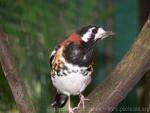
x: 123, y: 78
x: 16, y: 84
x: 145, y: 97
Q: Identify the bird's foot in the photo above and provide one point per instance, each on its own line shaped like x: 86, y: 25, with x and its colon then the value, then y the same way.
x: 71, y: 110
x: 82, y: 101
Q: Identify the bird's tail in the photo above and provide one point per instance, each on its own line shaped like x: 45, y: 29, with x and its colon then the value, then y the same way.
x: 60, y: 100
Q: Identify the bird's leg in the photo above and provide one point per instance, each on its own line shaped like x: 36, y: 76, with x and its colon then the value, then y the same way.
x: 82, y: 99
x: 69, y: 106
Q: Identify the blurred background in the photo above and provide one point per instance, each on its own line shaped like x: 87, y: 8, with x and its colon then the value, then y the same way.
x: 35, y: 27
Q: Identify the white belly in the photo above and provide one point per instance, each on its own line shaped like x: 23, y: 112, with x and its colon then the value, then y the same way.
x: 71, y: 84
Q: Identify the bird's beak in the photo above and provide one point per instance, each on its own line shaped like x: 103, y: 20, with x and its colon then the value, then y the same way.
x: 107, y: 34
x: 101, y: 34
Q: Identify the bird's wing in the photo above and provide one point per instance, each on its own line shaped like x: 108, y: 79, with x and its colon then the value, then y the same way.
x: 53, y: 53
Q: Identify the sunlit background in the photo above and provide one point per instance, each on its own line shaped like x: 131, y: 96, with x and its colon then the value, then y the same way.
x: 35, y: 27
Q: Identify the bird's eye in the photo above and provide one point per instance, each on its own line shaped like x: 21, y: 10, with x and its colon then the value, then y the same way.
x: 94, y: 31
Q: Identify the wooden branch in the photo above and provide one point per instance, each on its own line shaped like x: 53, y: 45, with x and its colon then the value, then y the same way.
x: 16, y: 84
x: 145, y: 97
x: 128, y: 72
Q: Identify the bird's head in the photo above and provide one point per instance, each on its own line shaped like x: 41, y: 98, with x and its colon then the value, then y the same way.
x: 93, y: 33
x: 90, y: 34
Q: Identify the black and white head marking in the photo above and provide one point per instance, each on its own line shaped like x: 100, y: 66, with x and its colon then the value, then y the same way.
x: 93, y: 33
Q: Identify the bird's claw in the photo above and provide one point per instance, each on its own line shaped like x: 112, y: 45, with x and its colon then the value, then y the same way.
x: 82, y: 99
x: 71, y: 110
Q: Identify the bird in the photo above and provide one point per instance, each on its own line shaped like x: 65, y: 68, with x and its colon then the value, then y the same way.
x: 71, y: 64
